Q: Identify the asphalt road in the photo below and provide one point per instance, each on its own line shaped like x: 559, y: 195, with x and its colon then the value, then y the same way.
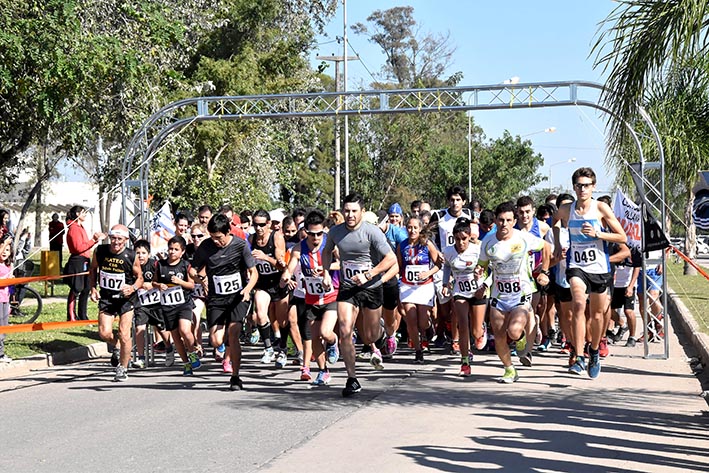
x: 640, y: 415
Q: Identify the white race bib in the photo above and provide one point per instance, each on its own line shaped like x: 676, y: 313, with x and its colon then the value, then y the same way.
x: 350, y: 269
x: 265, y: 268
x: 508, y: 285
x: 314, y: 286
x: 412, y: 272
x: 465, y: 284
x: 148, y: 298
x: 228, y: 284
x: 111, y: 281
x: 172, y: 296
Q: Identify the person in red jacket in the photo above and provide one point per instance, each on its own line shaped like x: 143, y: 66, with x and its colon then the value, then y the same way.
x: 80, y: 246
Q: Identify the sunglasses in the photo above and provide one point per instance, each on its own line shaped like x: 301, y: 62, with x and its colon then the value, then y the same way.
x: 197, y: 235
x: 583, y: 185
x: 314, y: 233
x: 260, y: 224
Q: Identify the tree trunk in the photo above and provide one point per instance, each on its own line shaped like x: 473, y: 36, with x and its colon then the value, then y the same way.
x: 690, y: 241
x: 38, y: 208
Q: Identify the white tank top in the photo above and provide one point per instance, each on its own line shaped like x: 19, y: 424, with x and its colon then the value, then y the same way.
x: 587, y: 253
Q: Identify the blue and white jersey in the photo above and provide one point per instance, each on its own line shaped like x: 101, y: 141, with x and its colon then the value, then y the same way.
x: 587, y: 253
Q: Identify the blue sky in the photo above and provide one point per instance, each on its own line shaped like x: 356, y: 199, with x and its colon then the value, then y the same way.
x: 537, y: 41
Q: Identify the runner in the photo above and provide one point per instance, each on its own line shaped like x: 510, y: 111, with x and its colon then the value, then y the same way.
x: 321, y: 305
x: 175, y: 284
x: 395, y: 234
x: 588, y: 265
x: 469, y: 306
x: 269, y: 249
x: 227, y: 262
x: 365, y: 255
x: 418, y: 260
x: 442, y: 222
x: 117, y: 272
x: 508, y: 254
x: 148, y: 308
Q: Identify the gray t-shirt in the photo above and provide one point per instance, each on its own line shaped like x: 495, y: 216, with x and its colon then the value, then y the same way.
x: 360, y: 250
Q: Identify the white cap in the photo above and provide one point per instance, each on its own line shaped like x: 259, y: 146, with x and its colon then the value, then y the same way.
x: 276, y: 215
x: 370, y: 217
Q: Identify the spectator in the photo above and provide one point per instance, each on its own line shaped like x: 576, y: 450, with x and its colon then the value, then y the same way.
x: 5, y: 272
x: 80, y: 245
x: 56, y: 236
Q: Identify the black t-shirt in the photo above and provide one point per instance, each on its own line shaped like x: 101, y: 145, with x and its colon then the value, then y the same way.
x: 114, y: 270
x: 226, y: 269
x: 175, y: 297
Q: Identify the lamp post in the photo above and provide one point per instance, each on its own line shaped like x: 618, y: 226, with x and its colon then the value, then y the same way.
x: 570, y: 160
x: 551, y: 129
x: 470, y: 157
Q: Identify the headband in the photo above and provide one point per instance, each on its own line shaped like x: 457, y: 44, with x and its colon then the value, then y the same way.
x: 118, y: 232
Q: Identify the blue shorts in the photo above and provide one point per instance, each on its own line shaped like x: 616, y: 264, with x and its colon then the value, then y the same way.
x: 654, y: 281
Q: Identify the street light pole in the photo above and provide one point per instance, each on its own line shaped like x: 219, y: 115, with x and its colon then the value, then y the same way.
x: 470, y: 157
x: 570, y: 160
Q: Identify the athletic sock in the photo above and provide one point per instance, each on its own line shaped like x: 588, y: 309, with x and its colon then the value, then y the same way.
x: 265, y: 332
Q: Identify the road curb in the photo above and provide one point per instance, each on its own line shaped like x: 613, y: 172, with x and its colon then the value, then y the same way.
x: 689, y: 326
x: 26, y: 365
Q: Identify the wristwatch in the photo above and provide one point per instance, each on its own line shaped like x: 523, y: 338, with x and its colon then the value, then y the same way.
x: 368, y: 275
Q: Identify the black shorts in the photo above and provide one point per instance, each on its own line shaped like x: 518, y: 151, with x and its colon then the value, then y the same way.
x: 234, y: 312
x: 316, y: 312
x: 390, y: 294
x: 563, y: 294
x: 276, y: 292
x: 370, y: 297
x: 472, y: 300
x: 145, y: 316
x: 116, y: 307
x: 172, y: 318
x: 595, y: 283
x: 618, y: 299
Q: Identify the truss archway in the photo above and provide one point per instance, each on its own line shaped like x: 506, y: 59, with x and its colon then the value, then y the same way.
x: 183, y: 113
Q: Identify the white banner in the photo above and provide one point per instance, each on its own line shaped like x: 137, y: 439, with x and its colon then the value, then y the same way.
x: 628, y: 214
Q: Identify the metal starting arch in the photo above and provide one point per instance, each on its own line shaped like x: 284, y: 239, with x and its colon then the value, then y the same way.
x: 173, y: 117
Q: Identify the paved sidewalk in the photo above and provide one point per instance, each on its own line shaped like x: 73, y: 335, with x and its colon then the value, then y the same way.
x: 639, y: 415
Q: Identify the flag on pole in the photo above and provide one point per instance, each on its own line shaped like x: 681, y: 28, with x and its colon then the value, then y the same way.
x: 628, y: 214
x: 162, y: 228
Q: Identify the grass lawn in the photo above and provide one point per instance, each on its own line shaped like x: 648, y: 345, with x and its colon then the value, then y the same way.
x: 694, y: 292
x: 18, y: 345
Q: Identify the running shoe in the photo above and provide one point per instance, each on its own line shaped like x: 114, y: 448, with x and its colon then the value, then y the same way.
x: 631, y: 342
x: 364, y: 355
x: 424, y: 346
x: 139, y: 363
x: 544, y: 346
x: 115, y: 356
x: 352, y: 386
x: 618, y: 336
x: 521, y: 344
x: 391, y: 346
x: 299, y: 358
x: 510, y: 375
x: 5, y: 359
x: 305, y: 374
x: 481, y: 341
x: 227, y: 367
x: 464, y: 370
x: 322, y: 379
x: 268, y: 356
x: 603, y: 347
x: 565, y: 348
x: 121, y: 373
x: 376, y: 360
x: 455, y: 347
x: 159, y: 347
x: 579, y: 366
x: 219, y: 352
x: 594, y: 365
x: 194, y: 360
x: 235, y: 384
x: 526, y: 359
x: 187, y: 369
x: 332, y: 353
x: 255, y: 337
x: 418, y: 357
x: 281, y: 359
x: 170, y: 356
